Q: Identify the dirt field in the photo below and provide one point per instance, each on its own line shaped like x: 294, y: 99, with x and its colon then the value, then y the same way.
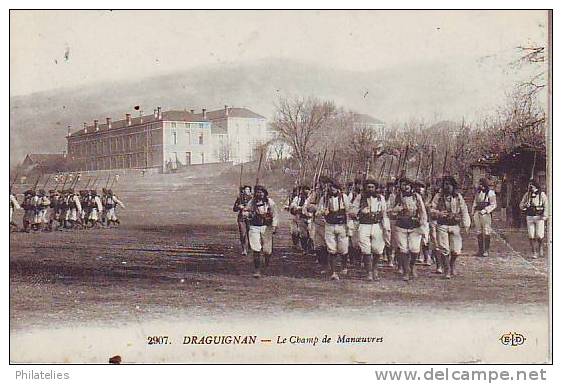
x: 177, y: 254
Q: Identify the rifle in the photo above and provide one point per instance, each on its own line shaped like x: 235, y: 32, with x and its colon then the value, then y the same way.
x: 382, y: 169
x: 64, y: 183
x: 241, y: 171
x: 390, y: 168
x: 107, y: 182
x: 320, y: 169
x: 115, y: 177
x: 76, y: 180
x: 431, y: 172
x: 37, y: 182
x: 419, y: 166
x: 259, y: 168
x: 405, y: 161
x: 445, y: 160
x: 534, y: 163
x: 88, y: 183
x: 15, y: 178
x: 47, y: 182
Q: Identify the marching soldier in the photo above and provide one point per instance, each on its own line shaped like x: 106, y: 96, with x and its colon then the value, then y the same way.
x: 293, y: 224
x: 450, y: 212
x: 310, y: 208
x: 411, y: 216
x: 482, y: 207
x: 369, y: 207
x: 43, y: 210
x: 74, y: 209
x: 534, y: 206
x: 29, y: 210
x: 95, y: 207
x: 54, y: 208
x: 302, y: 218
x: 240, y: 205
x: 389, y: 222
x: 354, y: 190
x: 111, y: 203
x: 13, y: 206
x: 262, y: 216
x: 425, y: 255
x: 335, y: 207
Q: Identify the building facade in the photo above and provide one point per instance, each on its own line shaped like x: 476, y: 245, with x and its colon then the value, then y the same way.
x: 167, y: 140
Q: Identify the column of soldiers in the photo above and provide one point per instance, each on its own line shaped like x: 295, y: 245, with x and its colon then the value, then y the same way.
x: 65, y: 209
x: 401, y: 224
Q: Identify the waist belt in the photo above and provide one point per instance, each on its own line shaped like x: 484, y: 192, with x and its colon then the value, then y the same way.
x: 370, y: 218
x: 480, y: 206
x: 447, y: 221
x: 534, y: 211
x: 336, y: 218
x: 408, y: 222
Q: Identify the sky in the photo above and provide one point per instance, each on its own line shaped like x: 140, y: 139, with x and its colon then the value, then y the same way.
x: 62, y: 49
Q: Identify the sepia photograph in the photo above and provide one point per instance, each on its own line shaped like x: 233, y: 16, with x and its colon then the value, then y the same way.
x: 280, y: 187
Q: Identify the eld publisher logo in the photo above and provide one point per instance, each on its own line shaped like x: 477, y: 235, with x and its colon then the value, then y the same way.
x: 513, y: 339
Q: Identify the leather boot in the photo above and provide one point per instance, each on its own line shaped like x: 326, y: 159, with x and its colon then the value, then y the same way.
x: 332, y: 263
x: 390, y: 256
x: 344, y: 264
x: 257, y: 264
x: 541, y: 249
x: 533, y: 249
x: 446, y: 266
x: 295, y: 240
x: 406, y: 265
x: 438, y: 262
x: 376, y: 259
x: 480, y: 245
x: 414, y: 257
x: 486, y: 252
x: 368, y: 266
x: 452, y: 263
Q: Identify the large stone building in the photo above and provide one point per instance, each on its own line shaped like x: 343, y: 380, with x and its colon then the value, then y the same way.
x: 167, y: 140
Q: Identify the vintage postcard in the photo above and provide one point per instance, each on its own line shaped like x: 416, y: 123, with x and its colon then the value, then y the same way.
x: 259, y: 186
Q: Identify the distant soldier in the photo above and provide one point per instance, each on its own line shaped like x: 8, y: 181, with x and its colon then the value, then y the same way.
x: 425, y: 255
x: 411, y: 217
x: 389, y: 222
x: 13, y: 206
x: 95, y: 207
x: 240, y: 206
x: 111, y: 203
x: 29, y: 210
x: 369, y: 208
x: 86, y: 207
x: 482, y: 207
x: 353, y: 190
x: 294, y: 223
x: 262, y: 215
x: 535, y: 207
x: 74, y: 209
x: 450, y: 212
x: 335, y: 207
x: 302, y: 218
x: 54, y: 209
x: 318, y: 223
x: 44, y: 205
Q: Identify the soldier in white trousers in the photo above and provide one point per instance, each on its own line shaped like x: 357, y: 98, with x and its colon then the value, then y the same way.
x: 482, y: 207
x: 369, y: 209
x: 535, y: 207
x: 263, y: 220
x: 450, y: 212
x: 335, y: 207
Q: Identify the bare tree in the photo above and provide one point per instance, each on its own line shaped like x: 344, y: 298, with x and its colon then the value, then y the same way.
x: 298, y: 121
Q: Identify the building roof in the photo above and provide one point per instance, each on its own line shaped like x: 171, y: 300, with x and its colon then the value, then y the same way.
x: 45, y: 161
x: 362, y: 118
x: 232, y: 112
x: 174, y: 115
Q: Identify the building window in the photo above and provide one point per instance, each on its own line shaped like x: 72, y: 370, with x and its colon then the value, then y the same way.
x: 201, y: 138
x: 174, y: 136
x: 188, y: 158
x: 173, y: 125
x: 188, y: 136
x: 202, y: 158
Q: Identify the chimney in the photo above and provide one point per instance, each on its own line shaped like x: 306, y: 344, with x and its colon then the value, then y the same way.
x: 192, y: 111
x: 108, y: 122
x: 68, y: 130
x: 226, y: 110
x: 204, y: 113
x: 96, y: 126
x: 128, y: 119
x: 155, y: 114
x: 159, y: 113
